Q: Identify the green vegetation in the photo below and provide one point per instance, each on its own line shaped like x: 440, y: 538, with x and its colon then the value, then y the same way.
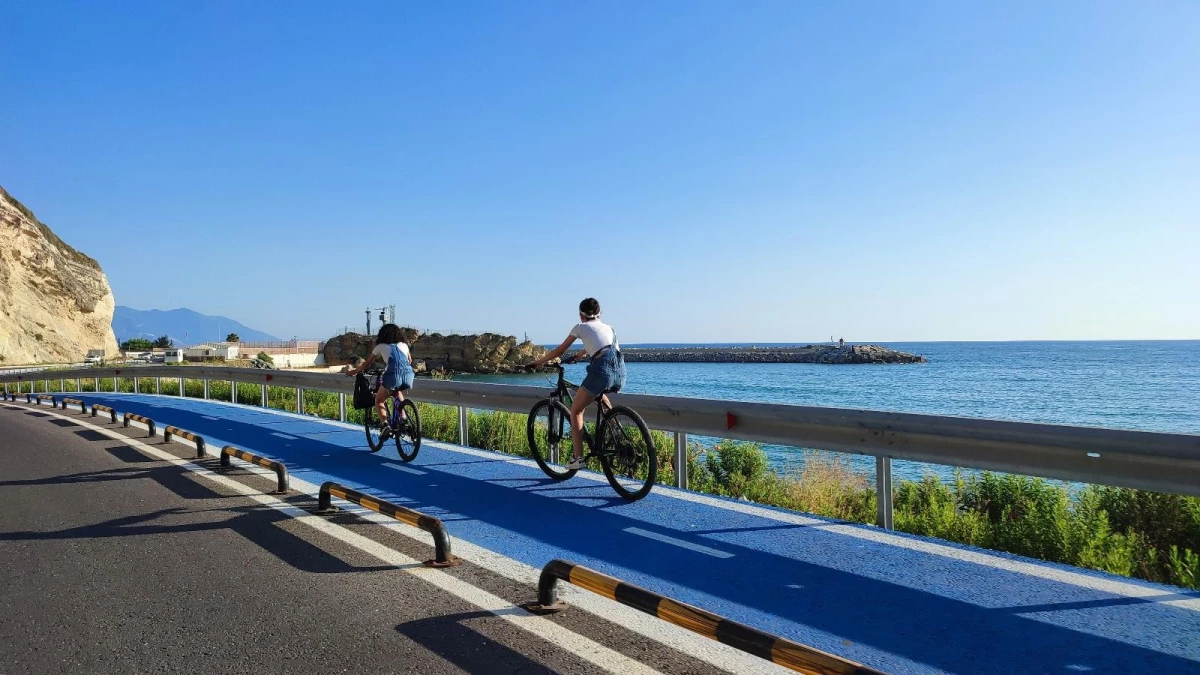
x: 263, y: 356
x: 1135, y: 533
x: 163, y: 342
x: 137, y: 345
x: 233, y: 337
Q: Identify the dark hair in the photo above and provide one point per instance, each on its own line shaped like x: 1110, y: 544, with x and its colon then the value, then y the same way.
x: 389, y: 334
x: 590, y: 307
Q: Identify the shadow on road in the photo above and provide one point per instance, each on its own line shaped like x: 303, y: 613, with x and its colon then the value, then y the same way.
x: 450, y: 638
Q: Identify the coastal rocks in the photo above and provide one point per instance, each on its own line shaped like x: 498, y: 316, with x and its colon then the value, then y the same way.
x: 486, y: 353
x: 827, y: 354
x: 55, y: 302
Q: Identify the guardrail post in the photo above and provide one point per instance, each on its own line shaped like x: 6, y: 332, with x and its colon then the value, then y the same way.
x: 158, y: 385
x: 463, y: 431
x: 681, y: 465
x: 78, y: 385
x: 342, y: 407
x: 62, y: 385
x: 233, y: 391
x: 116, y: 384
x: 181, y: 387
x: 137, y: 385
x: 883, y: 492
x: 300, y: 400
x: 264, y: 396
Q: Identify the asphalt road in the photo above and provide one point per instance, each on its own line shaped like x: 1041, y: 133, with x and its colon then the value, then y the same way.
x: 114, y: 560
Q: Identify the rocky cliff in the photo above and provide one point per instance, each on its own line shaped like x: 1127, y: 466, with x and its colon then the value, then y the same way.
x: 830, y: 354
x: 55, y: 303
x: 437, y: 353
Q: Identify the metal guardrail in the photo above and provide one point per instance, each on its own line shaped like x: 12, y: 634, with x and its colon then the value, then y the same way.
x: 791, y: 655
x: 441, y: 540
x: 169, y: 430
x: 280, y: 470
x: 1136, y: 459
x: 97, y: 407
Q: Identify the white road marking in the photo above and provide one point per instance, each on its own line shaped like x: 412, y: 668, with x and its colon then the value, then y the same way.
x: 582, y: 647
x: 678, y: 542
x: 406, y: 469
x: 290, y: 438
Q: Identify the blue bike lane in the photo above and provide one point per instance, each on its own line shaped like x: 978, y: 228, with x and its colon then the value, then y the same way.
x: 896, y: 602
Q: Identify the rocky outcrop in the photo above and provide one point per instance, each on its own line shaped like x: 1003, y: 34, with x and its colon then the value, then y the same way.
x: 831, y: 354
x: 55, y: 302
x: 486, y: 353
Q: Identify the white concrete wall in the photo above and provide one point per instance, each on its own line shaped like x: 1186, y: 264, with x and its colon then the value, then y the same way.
x: 297, y: 360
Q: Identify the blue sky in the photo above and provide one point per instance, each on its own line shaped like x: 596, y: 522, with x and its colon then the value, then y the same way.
x: 711, y: 171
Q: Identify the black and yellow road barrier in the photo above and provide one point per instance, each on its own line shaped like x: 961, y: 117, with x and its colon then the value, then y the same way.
x: 106, y: 409
x: 168, y: 431
x: 47, y: 397
x: 29, y: 397
x: 66, y: 401
x: 144, y: 420
x: 441, y: 540
x: 790, y: 655
x: 279, y: 469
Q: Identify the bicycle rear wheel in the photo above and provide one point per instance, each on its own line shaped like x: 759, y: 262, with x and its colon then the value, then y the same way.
x: 373, y: 426
x: 408, y: 439
x: 549, y: 430
x: 628, y: 455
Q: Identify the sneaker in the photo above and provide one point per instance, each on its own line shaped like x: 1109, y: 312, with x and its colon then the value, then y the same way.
x: 385, y: 432
x: 576, y: 464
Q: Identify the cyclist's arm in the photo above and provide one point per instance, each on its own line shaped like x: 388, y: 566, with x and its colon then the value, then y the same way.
x: 362, y: 366
x: 556, y: 352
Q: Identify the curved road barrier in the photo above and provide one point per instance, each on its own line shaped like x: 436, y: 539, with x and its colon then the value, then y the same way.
x: 441, y: 540
x: 29, y: 397
x: 790, y: 655
x: 198, y: 440
x: 46, y: 397
x: 106, y: 409
x: 82, y: 406
x: 279, y: 469
x: 144, y: 420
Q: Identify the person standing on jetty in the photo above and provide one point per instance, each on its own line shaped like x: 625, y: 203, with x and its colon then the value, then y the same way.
x: 605, y: 371
x: 391, y: 349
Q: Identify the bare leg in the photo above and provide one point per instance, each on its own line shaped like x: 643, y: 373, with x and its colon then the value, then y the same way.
x: 583, y: 398
x: 400, y: 402
x: 381, y: 395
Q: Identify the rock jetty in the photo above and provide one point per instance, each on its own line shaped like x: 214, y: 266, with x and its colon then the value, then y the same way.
x: 831, y: 354
x: 434, y: 353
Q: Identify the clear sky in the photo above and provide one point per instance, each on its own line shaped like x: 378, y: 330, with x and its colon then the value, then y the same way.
x: 711, y: 171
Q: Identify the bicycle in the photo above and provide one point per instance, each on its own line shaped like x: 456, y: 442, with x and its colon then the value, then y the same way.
x: 406, y: 430
x: 626, y: 453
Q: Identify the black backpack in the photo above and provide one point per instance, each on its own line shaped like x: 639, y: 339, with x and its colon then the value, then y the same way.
x: 364, y: 396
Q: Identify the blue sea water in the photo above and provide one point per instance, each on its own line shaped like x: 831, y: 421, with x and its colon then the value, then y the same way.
x: 1150, y: 386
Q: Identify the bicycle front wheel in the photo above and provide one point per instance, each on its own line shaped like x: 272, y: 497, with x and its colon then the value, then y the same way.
x: 408, y: 439
x: 628, y: 455
x: 549, y: 429
x: 373, y: 426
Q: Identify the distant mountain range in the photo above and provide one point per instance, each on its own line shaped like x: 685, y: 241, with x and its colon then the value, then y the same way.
x: 184, y: 326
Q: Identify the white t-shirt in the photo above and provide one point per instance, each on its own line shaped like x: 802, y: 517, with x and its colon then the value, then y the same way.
x: 383, y: 352
x: 595, y: 334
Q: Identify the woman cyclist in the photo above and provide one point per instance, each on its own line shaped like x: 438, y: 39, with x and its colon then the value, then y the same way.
x: 605, y: 371
x: 391, y: 349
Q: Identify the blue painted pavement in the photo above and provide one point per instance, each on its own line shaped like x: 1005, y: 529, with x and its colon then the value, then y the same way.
x: 900, y: 603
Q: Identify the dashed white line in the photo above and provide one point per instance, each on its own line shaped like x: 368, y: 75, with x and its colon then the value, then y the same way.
x: 406, y: 469
x: 290, y: 438
x: 678, y: 542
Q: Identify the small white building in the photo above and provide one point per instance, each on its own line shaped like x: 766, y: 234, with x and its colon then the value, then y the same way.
x: 222, y: 351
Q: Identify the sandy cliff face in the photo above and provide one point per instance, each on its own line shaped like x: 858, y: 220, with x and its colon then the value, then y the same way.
x: 55, y: 303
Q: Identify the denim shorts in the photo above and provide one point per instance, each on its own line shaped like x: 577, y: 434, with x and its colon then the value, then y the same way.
x: 605, y: 372
x: 402, y: 380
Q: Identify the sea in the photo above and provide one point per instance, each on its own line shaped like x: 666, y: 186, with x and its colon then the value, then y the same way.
x: 1140, y: 385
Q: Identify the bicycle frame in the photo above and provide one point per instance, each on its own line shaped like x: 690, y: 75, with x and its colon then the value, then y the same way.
x: 394, y: 420
x: 562, y: 392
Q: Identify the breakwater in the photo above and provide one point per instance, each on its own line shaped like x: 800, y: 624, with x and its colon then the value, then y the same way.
x: 828, y: 354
